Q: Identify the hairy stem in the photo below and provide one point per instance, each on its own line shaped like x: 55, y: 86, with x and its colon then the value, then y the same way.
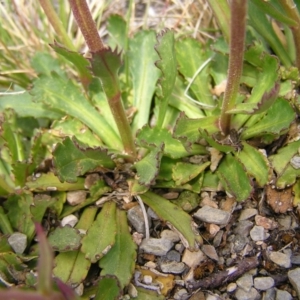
x: 56, y: 24
x: 236, y: 55
x: 86, y: 24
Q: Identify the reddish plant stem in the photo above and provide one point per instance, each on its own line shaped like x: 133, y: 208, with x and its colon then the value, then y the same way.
x: 237, y: 37
x: 86, y: 24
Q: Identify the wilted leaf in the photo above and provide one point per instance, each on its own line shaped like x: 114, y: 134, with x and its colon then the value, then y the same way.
x: 65, y: 239
x: 120, y: 260
x: 102, y: 234
x: 71, y: 161
x: 173, y: 214
x: 281, y: 201
x: 234, y: 178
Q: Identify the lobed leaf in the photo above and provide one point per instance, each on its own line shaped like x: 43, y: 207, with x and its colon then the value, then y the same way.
x: 234, y: 178
x: 65, y: 97
x: 71, y: 161
x: 278, y: 118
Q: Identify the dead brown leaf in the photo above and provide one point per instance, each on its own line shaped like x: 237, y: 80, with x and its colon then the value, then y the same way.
x: 281, y: 201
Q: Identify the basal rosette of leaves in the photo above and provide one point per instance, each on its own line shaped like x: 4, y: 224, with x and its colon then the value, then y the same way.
x: 63, y: 135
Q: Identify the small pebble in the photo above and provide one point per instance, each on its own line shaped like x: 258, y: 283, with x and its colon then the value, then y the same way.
x: 152, y: 214
x: 76, y: 197
x: 150, y: 264
x: 18, y: 241
x: 245, y: 282
x: 210, y: 251
x: 295, y: 259
x: 265, y: 222
x: 270, y: 294
x: 170, y: 235
x: 263, y: 283
x: 285, y: 222
x: 218, y: 238
x: 231, y: 287
x: 252, y: 294
x: 147, y: 279
x: 283, y: 295
x: 212, y: 215
x: 258, y: 233
x: 179, y: 247
x: 281, y: 259
x: 173, y: 255
x: 79, y: 289
x: 181, y: 294
x: 212, y: 297
x: 243, y: 228
x: 70, y: 220
x: 248, y: 213
x: 294, y: 278
x: 132, y: 291
x: 192, y: 259
x: 136, y: 218
x: 157, y: 247
x: 172, y: 267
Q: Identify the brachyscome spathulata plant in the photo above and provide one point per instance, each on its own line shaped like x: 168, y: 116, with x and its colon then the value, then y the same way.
x: 163, y: 155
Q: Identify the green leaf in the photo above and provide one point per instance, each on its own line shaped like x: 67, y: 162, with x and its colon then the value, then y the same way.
x: 64, y: 239
x: 175, y: 216
x: 41, y: 203
x: 191, y: 56
x: 255, y: 163
x: 44, y: 63
x: 72, y: 267
x: 70, y: 127
x: 71, y: 161
x: 185, y: 172
x: 278, y: 118
x: 5, y: 226
x: 259, y: 21
x: 116, y: 27
x: 272, y: 10
x: 24, y: 107
x: 168, y: 66
x: 188, y: 129
x: 50, y: 182
x: 9, y: 262
x: 281, y: 162
x: 19, y: 214
x: 101, y: 236
x: 120, y: 260
x: 12, y: 138
x: 156, y: 136
x: 234, y: 178
x: 66, y: 97
x: 148, y: 167
x: 142, y: 57
x: 145, y: 294
x: 77, y: 60
x: 108, y: 288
